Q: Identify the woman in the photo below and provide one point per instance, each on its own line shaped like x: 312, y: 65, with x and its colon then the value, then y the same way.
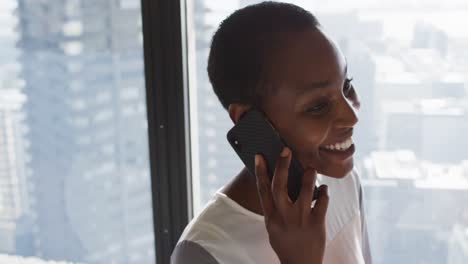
x: 277, y: 57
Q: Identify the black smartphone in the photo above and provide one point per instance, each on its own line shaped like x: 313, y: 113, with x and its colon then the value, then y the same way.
x: 254, y: 134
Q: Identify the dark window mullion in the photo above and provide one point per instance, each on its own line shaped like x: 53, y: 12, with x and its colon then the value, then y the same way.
x: 165, y: 70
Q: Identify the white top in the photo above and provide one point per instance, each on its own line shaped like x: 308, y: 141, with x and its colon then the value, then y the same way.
x: 225, y: 232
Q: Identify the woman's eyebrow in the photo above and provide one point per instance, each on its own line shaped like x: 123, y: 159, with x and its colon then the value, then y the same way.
x: 319, y: 84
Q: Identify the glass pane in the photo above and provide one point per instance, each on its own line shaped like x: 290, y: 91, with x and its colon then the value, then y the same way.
x: 410, y: 64
x: 74, y: 169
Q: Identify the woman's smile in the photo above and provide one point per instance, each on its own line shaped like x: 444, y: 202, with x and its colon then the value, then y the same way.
x: 340, y: 154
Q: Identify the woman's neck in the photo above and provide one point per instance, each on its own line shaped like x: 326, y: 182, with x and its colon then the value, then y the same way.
x: 243, y: 190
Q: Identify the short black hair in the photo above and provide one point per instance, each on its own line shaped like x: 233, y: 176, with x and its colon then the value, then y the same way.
x: 242, y: 44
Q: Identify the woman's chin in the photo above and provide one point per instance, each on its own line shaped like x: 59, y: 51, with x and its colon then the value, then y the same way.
x: 337, y: 171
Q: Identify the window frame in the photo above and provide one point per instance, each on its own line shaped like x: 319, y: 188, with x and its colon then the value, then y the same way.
x: 166, y: 71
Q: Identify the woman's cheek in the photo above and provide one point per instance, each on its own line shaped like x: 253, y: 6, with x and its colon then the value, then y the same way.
x: 315, y: 135
x: 308, y: 148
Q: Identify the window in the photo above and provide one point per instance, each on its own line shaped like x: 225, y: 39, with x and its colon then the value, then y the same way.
x: 63, y: 192
x: 409, y: 62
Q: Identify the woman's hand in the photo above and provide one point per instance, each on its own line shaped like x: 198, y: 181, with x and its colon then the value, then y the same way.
x: 296, y: 231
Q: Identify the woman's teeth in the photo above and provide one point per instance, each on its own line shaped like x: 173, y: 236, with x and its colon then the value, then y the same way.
x: 341, y: 146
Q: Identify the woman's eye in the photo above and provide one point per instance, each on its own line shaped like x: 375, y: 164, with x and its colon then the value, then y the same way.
x: 317, y: 108
x: 348, y: 87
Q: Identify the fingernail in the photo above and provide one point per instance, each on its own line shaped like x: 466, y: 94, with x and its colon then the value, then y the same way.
x: 257, y: 160
x: 285, y: 152
x: 326, y: 189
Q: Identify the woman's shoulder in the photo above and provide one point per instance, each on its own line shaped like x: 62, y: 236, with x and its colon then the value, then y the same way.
x: 221, y: 228
x: 219, y: 220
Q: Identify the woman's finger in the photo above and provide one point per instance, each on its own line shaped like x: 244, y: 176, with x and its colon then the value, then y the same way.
x: 307, y: 191
x: 263, y: 186
x: 321, y: 206
x: 280, y: 180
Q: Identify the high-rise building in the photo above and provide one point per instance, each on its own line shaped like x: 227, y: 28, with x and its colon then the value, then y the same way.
x: 430, y: 126
x: 13, y: 194
x: 14, y: 202
x: 427, y: 36
x: 9, y: 66
x: 82, y: 65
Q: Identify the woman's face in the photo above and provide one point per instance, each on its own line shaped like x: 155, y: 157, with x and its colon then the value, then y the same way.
x: 313, y: 106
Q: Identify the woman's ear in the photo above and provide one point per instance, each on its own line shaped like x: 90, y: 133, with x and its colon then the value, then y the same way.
x: 236, y: 111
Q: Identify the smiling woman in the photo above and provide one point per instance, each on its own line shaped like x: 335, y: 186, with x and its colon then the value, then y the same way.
x: 289, y: 69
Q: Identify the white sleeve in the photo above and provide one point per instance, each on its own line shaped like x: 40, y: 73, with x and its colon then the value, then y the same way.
x: 188, y: 252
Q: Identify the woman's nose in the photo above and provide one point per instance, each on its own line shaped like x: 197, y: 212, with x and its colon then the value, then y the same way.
x: 346, y: 114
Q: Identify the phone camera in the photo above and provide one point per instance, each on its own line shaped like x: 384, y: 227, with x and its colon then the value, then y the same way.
x: 237, y: 144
